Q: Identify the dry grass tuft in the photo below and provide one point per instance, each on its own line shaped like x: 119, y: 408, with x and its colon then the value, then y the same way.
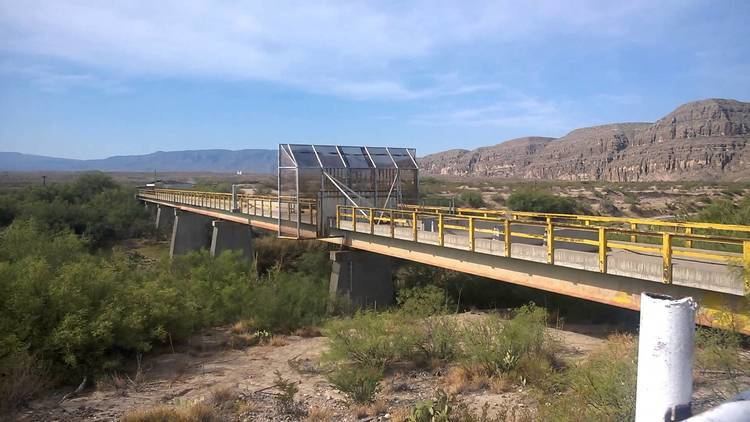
x: 401, y: 414
x: 278, y: 341
x: 197, y: 412
x: 319, y: 414
x: 308, y: 332
x: 244, y: 326
x: 242, y: 341
x: 19, y: 382
x: 461, y: 379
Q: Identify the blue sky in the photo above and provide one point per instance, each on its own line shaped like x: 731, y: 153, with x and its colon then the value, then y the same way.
x: 90, y: 79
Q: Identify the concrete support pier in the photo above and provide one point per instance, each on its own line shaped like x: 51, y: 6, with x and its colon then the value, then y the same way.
x: 365, y: 278
x: 231, y: 236
x: 189, y: 233
x: 164, y: 217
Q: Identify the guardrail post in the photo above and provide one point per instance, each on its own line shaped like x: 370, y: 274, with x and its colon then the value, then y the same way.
x: 441, y: 232
x: 354, y: 219
x: 471, y: 233
x: 414, y: 225
x: 506, y: 234
x: 689, y: 242
x: 393, y: 224
x: 338, y: 216
x: 633, y: 227
x: 550, y: 242
x: 746, y: 263
x: 602, y: 250
x: 666, y: 253
x: 371, y: 217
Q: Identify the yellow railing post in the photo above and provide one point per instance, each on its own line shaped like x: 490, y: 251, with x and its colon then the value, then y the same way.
x: 393, y: 224
x: 372, y: 221
x: 471, y: 234
x: 338, y: 216
x: 354, y: 219
x: 689, y: 241
x: 441, y: 234
x: 602, y: 250
x: 414, y: 225
x: 506, y: 234
x: 746, y: 263
x: 550, y: 242
x: 666, y: 253
x: 633, y: 227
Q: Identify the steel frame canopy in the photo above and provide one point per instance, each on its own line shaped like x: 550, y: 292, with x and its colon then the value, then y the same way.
x: 331, y: 175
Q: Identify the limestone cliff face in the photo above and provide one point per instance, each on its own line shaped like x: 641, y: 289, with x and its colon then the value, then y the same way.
x: 700, y: 140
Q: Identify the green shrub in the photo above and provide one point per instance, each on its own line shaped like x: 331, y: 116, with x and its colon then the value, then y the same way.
x: 360, y: 383
x: 83, y: 314
x: 497, y: 346
x: 424, y: 301
x: 531, y: 200
x: 602, y: 388
x: 285, y: 399
x: 370, y: 339
x: 720, y: 350
x: 471, y: 199
x: 439, y: 340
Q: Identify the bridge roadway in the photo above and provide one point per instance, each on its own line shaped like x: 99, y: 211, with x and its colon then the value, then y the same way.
x: 603, y: 259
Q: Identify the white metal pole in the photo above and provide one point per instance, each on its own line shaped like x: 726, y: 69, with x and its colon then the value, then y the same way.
x: 665, y: 358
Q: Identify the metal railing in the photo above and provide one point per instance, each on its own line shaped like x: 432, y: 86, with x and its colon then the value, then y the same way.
x: 258, y: 205
x: 651, y: 237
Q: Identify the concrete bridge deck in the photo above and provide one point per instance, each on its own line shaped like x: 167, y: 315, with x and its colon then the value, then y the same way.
x: 598, y: 262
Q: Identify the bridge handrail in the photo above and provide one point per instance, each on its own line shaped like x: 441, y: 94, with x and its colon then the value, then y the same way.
x: 585, y: 218
x: 658, y: 242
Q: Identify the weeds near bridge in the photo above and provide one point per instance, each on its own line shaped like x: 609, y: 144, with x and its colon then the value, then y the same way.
x: 601, y: 388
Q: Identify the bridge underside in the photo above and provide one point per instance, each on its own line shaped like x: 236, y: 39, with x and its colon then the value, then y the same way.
x: 621, y: 286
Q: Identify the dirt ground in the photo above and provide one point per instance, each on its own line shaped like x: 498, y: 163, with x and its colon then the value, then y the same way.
x: 210, y: 363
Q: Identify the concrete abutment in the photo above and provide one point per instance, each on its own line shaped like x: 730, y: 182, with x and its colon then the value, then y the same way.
x: 364, y: 278
x: 231, y: 236
x: 190, y: 232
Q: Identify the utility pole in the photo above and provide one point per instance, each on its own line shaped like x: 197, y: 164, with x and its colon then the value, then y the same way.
x: 44, y: 180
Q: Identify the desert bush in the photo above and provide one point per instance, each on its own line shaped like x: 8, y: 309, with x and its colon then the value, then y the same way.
x: 541, y: 201
x: 439, y: 339
x: 93, y: 206
x: 84, y: 314
x: 196, y: 412
x: 601, y: 388
x: 424, y: 301
x: 472, y: 199
x: 282, y: 301
x: 370, y: 339
x: 718, y: 356
x: 360, y: 383
x: 285, y: 398
x: 21, y: 378
x: 497, y: 346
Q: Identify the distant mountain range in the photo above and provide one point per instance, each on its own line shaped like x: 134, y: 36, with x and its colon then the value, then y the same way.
x: 210, y: 160
x: 701, y: 140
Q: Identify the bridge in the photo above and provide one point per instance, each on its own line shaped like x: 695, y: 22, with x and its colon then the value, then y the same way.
x: 609, y: 260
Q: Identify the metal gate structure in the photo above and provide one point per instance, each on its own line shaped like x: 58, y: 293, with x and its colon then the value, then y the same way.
x: 332, y: 175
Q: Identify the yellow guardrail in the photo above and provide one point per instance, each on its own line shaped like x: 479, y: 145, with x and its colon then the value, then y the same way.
x: 259, y: 205
x: 661, y: 242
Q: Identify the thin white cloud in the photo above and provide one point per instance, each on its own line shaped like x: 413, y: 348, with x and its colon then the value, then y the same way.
x: 353, y: 49
x: 515, y: 112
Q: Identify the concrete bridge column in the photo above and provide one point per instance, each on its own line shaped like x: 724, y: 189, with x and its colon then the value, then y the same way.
x: 231, y: 236
x: 164, y: 217
x: 365, y: 278
x: 190, y: 232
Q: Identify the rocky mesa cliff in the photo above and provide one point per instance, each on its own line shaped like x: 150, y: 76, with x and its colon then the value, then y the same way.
x: 701, y: 140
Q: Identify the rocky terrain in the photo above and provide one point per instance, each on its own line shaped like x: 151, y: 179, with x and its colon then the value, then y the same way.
x: 702, y: 140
